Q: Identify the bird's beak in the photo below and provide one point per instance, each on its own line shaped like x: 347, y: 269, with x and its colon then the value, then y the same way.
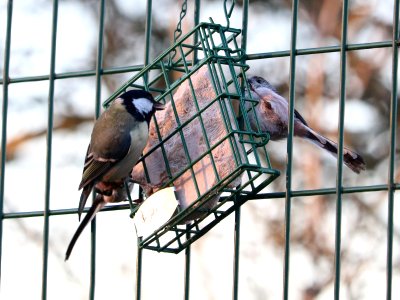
x: 250, y: 85
x: 253, y: 89
x: 158, y: 106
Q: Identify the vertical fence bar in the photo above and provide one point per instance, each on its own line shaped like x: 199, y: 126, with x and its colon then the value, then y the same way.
x: 339, y: 178
x: 139, y: 269
x: 3, y: 150
x: 147, y: 33
x: 186, y: 295
x: 392, y: 154
x: 187, y: 266
x: 196, y: 22
x: 236, y: 256
x: 236, y: 251
x: 288, y: 198
x: 50, y: 119
x: 99, y: 72
x: 139, y: 259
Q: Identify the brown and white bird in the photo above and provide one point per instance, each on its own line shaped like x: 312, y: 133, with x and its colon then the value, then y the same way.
x: 272, y: 114
x: 118, y: 138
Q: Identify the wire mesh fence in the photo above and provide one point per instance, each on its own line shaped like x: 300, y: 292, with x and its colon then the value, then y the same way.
x: 183, y: 65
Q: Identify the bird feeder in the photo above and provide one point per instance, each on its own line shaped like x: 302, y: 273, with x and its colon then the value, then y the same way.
x: 202, y: 144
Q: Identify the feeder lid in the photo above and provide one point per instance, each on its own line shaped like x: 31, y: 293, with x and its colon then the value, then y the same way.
x: 155, y: 211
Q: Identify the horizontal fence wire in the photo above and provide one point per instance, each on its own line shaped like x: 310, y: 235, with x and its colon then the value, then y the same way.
x: 288, y: 194
x: 250, y: 56
x: 260, y: 196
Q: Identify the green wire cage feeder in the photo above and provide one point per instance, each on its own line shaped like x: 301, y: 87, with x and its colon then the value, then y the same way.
x: 203, y: 143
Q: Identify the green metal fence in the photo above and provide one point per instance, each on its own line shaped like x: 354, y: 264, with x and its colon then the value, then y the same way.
x: 288, y: 194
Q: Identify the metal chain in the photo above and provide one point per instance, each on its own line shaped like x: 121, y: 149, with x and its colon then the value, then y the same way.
x: 228, y: 13
x: 178, y: 30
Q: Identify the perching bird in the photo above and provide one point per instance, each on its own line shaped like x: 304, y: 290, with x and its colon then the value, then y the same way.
x: 117, y: 142
x: 272, y: 114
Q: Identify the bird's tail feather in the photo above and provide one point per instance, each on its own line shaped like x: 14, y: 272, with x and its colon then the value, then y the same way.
x: 351, y: 159
x: 98, y: 204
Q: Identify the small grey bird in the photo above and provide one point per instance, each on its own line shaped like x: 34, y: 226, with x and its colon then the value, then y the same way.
x: 117, y: 142
x: 272, y: 114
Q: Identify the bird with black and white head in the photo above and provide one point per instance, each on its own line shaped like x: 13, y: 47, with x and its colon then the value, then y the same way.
x: 118, y: 138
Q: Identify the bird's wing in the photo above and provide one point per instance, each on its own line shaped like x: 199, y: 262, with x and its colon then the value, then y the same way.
x: 95, y: 169
x: 102, y: 154
x: 100, y: 157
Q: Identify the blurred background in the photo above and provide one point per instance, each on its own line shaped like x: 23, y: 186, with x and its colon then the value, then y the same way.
x: 367, y: 116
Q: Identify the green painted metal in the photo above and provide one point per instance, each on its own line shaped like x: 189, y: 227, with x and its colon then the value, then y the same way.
x: 250, y: 56
x: 236, y: 254
x: 139, y: 262
x: 196, y: 21
x: 236, y: 249
x: 186, y: 282
x: 339, y: 178
x: 147, y: 48
x: 319, y: 50
x: 392, y: 153
x: 259, y: 196
x: 288, y: 197
x: 49, y: 138
x: 218, y: 47
x: 228, y: 11
x: 188, y: 252
x: 3, y: 149
x: 99, y: 66
x: 147, y: 31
